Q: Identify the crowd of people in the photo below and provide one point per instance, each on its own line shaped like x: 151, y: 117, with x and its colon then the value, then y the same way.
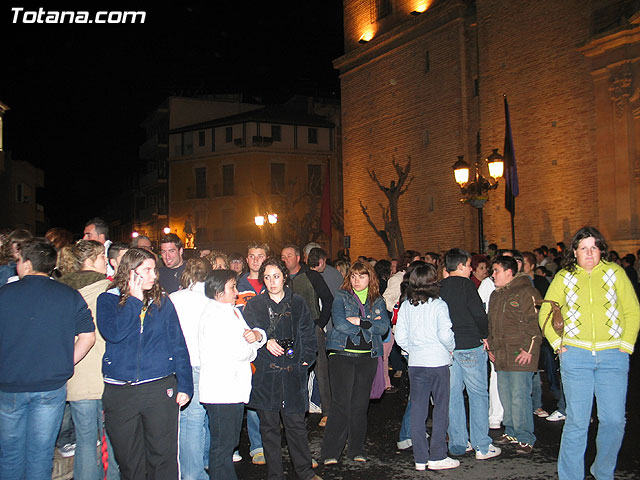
x: 159, y: 358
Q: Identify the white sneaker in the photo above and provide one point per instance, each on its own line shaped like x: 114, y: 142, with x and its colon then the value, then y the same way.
x: 469, y: 448
x: 492, y: 452
x: 421, y: 466
x: 556, y: 417
x: 236, y: 457
x: 443, y: 464
x: 67, y: 450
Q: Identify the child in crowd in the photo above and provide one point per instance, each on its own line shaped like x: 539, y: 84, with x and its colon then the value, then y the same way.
x: 424, y: 331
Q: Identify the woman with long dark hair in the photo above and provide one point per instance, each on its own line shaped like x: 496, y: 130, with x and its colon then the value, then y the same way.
x: 279, y: 388
x: 424, y: 331
x: 146, y: 369
x: 359, y: 316
x: 601, y: 319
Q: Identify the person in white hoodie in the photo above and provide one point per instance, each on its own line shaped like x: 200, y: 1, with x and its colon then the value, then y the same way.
x: 227, y: 346
x: 190, y: 302
x: 424, y: 331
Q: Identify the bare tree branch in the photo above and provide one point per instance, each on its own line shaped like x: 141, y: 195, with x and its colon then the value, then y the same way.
x: 381, y: 233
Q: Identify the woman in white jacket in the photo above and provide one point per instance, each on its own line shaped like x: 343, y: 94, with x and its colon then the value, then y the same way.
x: 227, y: 346
x: 424, y: 331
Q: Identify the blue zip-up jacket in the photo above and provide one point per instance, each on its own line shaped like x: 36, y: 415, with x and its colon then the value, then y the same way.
x: 345, y: 305
x: 138, y: 351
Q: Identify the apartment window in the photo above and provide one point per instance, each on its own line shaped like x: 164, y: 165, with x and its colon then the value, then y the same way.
x: 312, y: 136
x: 227, y: 180
x: 23, y: 193
x: 187, y: 143
x: 163, y: 203
x: 201, y: 182
x: 228, y: 134
x: 201, y: 138
x: 277, y: 178
x: 314, y: 179
x: 276, y: 133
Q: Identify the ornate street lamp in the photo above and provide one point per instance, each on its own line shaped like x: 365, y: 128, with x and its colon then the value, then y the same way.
x: 272, y: 219
x: 475, y: 190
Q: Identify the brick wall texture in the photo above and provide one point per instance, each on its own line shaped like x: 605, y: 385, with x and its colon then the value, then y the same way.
x: 394, y: 106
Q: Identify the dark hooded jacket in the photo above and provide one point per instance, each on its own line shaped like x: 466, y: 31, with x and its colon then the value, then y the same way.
x: 281, y: 382
x: 513, y: 324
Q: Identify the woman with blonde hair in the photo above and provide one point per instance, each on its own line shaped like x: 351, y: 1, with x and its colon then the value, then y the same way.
x: 219, y: 260
x: 85, y: 270
x: 360, y: 320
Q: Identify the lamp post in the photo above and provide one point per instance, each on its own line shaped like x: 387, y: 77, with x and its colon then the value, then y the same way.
x: 475, y: 190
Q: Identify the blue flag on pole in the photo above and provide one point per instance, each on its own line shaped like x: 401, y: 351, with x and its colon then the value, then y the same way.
x: 510, y: 168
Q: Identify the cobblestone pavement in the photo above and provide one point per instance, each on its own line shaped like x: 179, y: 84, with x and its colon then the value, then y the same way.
x: 386, y: 462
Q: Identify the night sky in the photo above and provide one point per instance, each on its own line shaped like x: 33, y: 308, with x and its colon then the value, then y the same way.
x: 78, y: 93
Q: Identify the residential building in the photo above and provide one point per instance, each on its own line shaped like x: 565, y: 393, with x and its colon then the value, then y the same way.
x: 21, y: 189
x: 152, y: 201
x: 226, y: 171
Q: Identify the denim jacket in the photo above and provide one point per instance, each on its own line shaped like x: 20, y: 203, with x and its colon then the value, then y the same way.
x: 346, y: 305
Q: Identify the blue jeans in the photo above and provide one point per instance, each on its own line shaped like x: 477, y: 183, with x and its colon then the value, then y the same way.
x: 89, y: 425
x: 585, y: 374
x: 469, y: 370
x: 514, y: 389
x: 67, y: 433
x: 253, y: 430
x: 405, y: 428
x: 536, y: 391
x: 29, y: 425
x: 194, y: 433
x: 225, y: 423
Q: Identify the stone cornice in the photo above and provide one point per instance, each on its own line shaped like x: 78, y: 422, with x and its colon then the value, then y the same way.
x: 616, y: 39
x: 435, y: 18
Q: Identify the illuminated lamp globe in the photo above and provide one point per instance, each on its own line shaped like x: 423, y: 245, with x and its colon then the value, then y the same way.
x: 166, y: 230
x: 495, y: 161
x: 461, y: 171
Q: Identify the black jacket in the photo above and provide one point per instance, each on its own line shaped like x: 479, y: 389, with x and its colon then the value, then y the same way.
x: 311, y: 289
x: 281, y: 382
x: 468, y: 318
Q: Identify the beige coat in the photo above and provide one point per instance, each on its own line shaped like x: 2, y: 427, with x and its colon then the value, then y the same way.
x: 87, y: 383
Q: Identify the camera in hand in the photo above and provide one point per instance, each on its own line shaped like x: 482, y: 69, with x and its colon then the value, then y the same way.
x: 287, y: 345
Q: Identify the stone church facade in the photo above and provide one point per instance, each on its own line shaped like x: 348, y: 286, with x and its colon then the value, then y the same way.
x: 425, y: 79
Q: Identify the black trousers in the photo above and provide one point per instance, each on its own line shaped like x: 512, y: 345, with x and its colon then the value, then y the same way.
x: 351, y: 379
x: 295, y: 430
x: 322, y: 371
x: 142, y: 423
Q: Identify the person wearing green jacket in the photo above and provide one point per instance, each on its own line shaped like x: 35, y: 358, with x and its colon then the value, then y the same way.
x: 601, y: 319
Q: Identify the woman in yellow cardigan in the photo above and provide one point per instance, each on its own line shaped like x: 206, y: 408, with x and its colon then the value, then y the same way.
x: 601, y: 319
